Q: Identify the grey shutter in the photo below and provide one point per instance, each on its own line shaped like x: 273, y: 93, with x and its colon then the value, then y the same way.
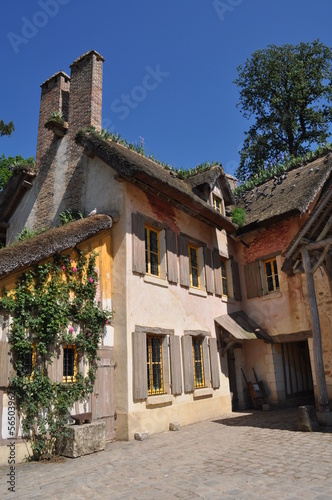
x: 4, y: 363
x: 52, y: 366
x: 188, y: 363
x: 253, y: 280
x: 215, y: 379
x: 184, y: 261
x: 138, y: 243
x: 140, y: 382
x: 175, y: 364
x: 58, y: 361
x: 208, y: 270
x: 172, y: 260
x: 236, y: 279
x: 217, y: 273
x: 206, y: 364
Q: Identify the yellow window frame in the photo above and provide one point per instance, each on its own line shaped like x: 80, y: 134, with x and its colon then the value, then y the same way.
x: 149, y: 252
x: 198, y: 361
x: 152, y: 364
x: 224, y: 277
x: 217, y: 203
x: 67, y: 379
x: 274, y: 276
x: 192, y: 266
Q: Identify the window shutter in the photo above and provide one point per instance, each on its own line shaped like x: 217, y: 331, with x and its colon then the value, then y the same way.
x: 175, y: 364
x: 206, y: 364
x: 188, y: 363
x: 58, y: 362
x: 217, y: 273
x: 138, y: 243
x: 208, y: 270
x: 172, y: 260
x: 253, y: 280
x: 236, y: 279
x: 140, y: 383
x: 215, y: 379
x: 184, y: 262
x: 4, y: 363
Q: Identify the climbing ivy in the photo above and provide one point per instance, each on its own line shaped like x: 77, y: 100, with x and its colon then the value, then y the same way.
x: 52, y: 304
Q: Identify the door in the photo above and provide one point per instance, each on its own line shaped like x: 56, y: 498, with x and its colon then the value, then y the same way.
x: 103, y: 397
x: 232, y: 379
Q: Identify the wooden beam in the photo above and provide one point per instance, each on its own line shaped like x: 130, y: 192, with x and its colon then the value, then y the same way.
x: 321, y: 259
x: 325, y: 230
x: 321, y: 395
x: 318, y: 244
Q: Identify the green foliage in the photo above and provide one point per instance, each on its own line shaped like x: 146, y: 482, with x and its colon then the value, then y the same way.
x: 10, y: 165
x: 70, y: 216
x: 6, y: 128
x: 139, y: 148
x: 286, y: 92
x: 263, y: 175
x: 48, y: 304
x: 238, y: 216
x: 56, y: 116
x: 26, y: 233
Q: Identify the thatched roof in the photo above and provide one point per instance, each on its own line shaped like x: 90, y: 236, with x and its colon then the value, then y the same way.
x: 55, y: 240
x: 11, y: 196
x: 209, y: 179
x: 287, y: 195
x: 151, y: 177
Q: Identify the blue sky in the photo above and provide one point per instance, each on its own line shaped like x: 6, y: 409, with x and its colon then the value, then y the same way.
x: 194, y: 46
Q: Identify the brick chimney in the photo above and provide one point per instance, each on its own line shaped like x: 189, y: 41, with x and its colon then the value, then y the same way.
x: 85, y: 103
x: 54, y: 97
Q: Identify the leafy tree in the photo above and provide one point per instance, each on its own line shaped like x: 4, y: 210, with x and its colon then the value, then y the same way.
x: 6, y: 128
x: 287, y: 92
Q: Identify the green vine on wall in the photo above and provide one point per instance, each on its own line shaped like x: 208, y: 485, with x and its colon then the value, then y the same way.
x: 52, y: 304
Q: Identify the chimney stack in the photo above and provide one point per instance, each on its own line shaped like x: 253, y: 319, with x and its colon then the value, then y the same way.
x: 85, y: 103
x: 54, y: 97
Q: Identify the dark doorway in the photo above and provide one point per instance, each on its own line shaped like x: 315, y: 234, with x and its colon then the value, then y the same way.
x: 232, y: 379
x: 297, y: 369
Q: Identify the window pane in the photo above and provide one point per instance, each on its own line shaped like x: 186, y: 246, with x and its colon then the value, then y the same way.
x: 154, y: 365
x: 194, y: 275
x: 193, y: 257
x: 268, y: 268
x: 269, y: 281
x: 277, y: 281
x: 154, y: 264
x: 198, y: 362
x: 153, y: 242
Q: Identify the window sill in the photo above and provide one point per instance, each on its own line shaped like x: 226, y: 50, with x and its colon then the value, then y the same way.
x: 155, y: 280
x: 272, y: 295
x: 228, y: 300
x: 196, y: 291
x: 162, y: 400
x: 205, y: 392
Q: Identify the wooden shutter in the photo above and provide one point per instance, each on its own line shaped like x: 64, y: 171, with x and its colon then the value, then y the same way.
x: 217, y: 273
x: 253, y: 280
x: 140, y: 383
x: 208, y: 270
x: 215, y: 379
x: 138, y: 243
x: 188, y: 363
x: 175, y: 364
x: 206, y: 364
x: 236, y: 279
x: 172, y: 260
x: 4, y: 363
x: 184, y: 261
x: 58, y: 361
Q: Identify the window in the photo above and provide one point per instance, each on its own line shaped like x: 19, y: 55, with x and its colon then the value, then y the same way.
x: 193, y: 266
x: 271, y: 275
x: 28, y: 363
x: 224, y: 283
x: 154, y: 356
x: 217, y: 203
x: 69, y: 363
x: 198, y: 362
x: 152, y: 251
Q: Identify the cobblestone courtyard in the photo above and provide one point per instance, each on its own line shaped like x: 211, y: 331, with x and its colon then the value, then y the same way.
x: 241, y: 456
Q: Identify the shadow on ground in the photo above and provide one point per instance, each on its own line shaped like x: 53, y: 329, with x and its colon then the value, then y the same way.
x: 285, y: 419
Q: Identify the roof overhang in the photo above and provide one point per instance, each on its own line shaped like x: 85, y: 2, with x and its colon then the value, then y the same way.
x: 238, y: 327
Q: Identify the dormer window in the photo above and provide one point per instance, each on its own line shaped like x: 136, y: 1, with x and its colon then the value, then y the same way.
x: 217, y: 203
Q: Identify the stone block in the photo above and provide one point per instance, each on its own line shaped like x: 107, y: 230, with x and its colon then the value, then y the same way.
x: 140, y: 436
x: 82, y: 439
x: 265, y: 407
x: 307, y: 420
x: 174, y: 426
